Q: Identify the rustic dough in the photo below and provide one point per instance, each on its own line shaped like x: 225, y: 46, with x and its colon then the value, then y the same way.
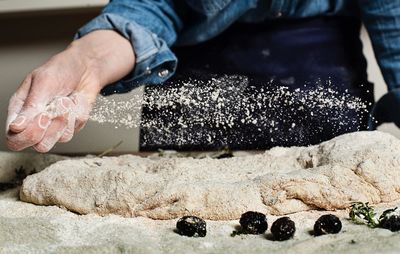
x: 362, y: 166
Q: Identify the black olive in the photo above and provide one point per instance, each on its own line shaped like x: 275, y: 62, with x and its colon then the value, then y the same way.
x: 390, y: 219
x: 327, y: 224
x: 191, y: 226
x: 283, y: 229
x: 253, y: 223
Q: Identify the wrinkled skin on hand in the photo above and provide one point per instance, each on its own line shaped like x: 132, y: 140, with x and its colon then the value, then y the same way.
x: 54, y: 101
x: 49, y: 106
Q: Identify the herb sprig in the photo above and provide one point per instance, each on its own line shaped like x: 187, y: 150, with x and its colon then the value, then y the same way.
x: 362, y: 213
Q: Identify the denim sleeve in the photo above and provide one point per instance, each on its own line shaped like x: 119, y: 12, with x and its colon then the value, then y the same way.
x: 382, y: 20
x: 151, y: 27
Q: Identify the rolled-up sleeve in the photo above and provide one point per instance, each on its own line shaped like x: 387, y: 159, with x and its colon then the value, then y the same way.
x: 382, y: 20
x: 151, y: 27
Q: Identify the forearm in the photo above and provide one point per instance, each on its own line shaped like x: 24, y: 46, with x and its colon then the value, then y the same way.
x: 151, y: 27
x: 105, y: 54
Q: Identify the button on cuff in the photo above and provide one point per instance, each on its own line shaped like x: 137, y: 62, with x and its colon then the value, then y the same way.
x: 147, y: 71
x: 163, y: 73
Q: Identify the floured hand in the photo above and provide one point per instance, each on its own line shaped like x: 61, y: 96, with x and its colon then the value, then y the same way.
x: 54, y: 101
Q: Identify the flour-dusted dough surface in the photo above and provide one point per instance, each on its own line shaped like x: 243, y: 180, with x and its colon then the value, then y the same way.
x: 363, y: 166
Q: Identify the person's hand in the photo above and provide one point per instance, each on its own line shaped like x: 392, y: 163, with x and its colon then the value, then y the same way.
x: 54, y: 101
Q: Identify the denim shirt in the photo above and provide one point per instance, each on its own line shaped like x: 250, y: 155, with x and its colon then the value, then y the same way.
x: 153, y: 27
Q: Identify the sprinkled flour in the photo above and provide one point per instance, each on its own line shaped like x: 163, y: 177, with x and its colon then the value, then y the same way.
x: 221, y: 103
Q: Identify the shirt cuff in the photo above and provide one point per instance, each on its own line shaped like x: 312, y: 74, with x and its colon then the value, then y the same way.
x: 386, y: 110
x: 155, y: 62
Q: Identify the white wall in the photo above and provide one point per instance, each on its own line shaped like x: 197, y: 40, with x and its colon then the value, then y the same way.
x: 26, y: 42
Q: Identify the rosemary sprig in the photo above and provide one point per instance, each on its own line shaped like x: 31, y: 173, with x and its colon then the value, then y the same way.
x: 109, y: 150
x: 362, y: 213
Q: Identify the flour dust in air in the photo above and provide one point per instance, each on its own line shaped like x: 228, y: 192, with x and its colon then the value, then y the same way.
x: 229, y: 102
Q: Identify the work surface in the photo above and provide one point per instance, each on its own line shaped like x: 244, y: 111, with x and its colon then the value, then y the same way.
x: 34, y: 228
x: 27, y: 228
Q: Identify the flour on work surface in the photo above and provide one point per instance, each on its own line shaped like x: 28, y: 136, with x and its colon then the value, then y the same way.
x: 221, y: 103
x: 361, y: 166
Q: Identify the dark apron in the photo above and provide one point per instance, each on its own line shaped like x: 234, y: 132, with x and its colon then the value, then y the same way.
x: 256, y: 86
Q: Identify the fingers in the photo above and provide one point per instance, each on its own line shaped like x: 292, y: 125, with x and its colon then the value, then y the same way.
x: 31, y: 135
x: 39, y: 94
x: 61, y: 109
x: 46, y: 129
x: 17, y: 101
x: 69, y: 130
x: 52, y: 135
x: 56, y: 123
x: 29, y: 121
x: 83, y: 107
x: 24, y: 119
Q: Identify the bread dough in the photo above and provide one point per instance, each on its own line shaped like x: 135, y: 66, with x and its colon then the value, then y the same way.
x: 362, y: 166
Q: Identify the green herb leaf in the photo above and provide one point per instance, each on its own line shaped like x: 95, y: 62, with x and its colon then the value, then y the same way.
x: 362, y: 213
